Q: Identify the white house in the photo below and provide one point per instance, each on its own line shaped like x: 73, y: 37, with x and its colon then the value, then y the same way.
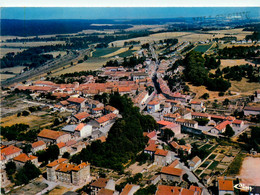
x: 225, y: 187
x: 194, y: 163
x: 153, y: 106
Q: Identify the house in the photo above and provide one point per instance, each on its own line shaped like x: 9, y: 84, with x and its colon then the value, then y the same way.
x: 196, y: 189
x: 155, y: 179
x: 130, y: 189
x: 102, y: 183
x: 110, y: 109
x: 80, y: 116
x: 172, y: 174
x: 186, y: 148
x: 184, y: 112
x: 171, y: 117
x: 62, y: 147
x: 80, y: 102
x: 162, y: 157
x: 10, y: 152
x: 195, y: 115
x: 194, y: 163
x: 197, y: 106
x: 138, y: 75
x: 83, y: 130
x: 221, y: 127
x: 225, y: 187
x: 238, y: 123
x: 187, y: 122
x: 152, y: 135
x: 153, y: 106
x: 23, y: 158
x: 53, y: 137
x: 60, y: 171
x: 174, y: 190
x: 175, y: 128
x: 105, y: 120
x: 4, y: 178
x: 39, y: 145
x: 150, y: 149
x: 251, y: 110
x: 97, y: 112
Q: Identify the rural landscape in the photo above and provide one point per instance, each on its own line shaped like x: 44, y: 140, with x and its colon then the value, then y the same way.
x: 131, y: 106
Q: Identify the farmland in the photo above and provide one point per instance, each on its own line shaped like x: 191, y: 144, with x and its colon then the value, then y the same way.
x: 202, y: 48
x: 104, y: 51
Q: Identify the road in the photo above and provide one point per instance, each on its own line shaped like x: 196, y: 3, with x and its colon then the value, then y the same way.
x: 46, y: 67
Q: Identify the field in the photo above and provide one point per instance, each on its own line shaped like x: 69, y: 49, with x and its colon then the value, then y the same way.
x: 15, y: 70
x: 90, y: 64
x: 56, y: 53
x: 249, y: 173
x: 230, y: 63
x: 31, y: 44
x: 126, y: 53
x: 244, y: 87
x: 104, y: 51
x: 117, y: 52
x: 34, y: 121
x: 202, y: 48
x: 4, y: 51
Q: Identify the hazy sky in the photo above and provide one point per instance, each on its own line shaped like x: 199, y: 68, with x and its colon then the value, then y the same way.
x: 121, y: 13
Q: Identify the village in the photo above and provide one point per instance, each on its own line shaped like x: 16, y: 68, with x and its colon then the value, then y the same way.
x: 188, y: 153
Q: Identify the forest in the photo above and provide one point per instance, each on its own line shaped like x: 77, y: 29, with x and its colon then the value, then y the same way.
x: 125, y: 138
x: 239, y: 52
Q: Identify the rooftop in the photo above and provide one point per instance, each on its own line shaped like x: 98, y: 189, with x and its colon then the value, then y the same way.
x: 81, y: 115
x: 37, y: 144
x: 24, y: 158
x: 100, y: 183
x: 10, y: 150
x: 50, y: 134
x: 172, y: 171
x: 225, y: 185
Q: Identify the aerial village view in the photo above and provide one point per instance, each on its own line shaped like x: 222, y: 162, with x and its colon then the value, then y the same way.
x: 125, y: 105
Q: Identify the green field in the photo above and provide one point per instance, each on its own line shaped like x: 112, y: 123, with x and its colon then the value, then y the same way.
x: 206, y: 147
x: 212, y: 156
x: 104, y: 51
x: 205, y: 164
x: 213, y: 165
x: 202, y: 48
x: 126, y: 53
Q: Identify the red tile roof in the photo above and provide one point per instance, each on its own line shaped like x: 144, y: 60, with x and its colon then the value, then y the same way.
x: 151, y: 134
x: 164, y: 123
x: 61, y: 145
x: 151, y: 147
x: 154, y: 102
x: 81, y: 115
x: 196, y: 159
x: 225, y: 185
x: 79, y: 127
x: 174, y: 163
x: 172, y: 171
x: 110, y: 108
x: 64, y: 103
x: 223, y: 125
x: 200, y: 114
x: 50, y: 134
x: 196, y: 189
x: 106, y: 118
x: 56, y: 162
x: 76, y: 100
x: 161, y: 152
x: 24, y: 158
x: 10, y: 150
x: 102, y: 139
x: 168, y: 190
x: 127, y: 189
x: 195, y: 102
x: 38, y: 143
x: 104, y: 191
x: 100, y: 183
x: 237, y: 122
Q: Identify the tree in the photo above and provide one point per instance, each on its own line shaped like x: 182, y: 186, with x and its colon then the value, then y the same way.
x: 226, y: 102
x: 185, y: 177
x: 229, y: 131
x: 182, y: 142
x: 10, y: 168
x: 205, y: 96
x: 202, y: 121
x: 27, y: 148
x: 53, y: 152
x: 167, y: 134
x: 66, y: 155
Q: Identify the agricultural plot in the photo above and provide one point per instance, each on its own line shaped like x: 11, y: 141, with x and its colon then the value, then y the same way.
x: 126, y: 53
x: 202, y: 48
x: 104, y: 51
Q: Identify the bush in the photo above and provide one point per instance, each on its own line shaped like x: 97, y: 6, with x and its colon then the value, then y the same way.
x: 221, y: 93
x: 205, y: 96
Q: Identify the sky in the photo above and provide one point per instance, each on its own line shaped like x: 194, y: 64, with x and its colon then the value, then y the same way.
x: 29, y: 13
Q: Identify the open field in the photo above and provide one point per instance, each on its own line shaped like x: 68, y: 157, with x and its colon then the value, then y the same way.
x: 104, y: 51
x: 230, y: 63
x: 15, y: 70
x: 202, y: 48
x: 56, y: 53
x: 59, y: 190
x: 119, y: 51
x: 244, y: 87
x: 249, y: 173
x: 6, y: 76
x: 126, y: 53
x: 238, y: 32
x: 200, y: 90
x: 90, y: 64
x: 34, y: 121
x: 4, y: 51
x: 31, y: 44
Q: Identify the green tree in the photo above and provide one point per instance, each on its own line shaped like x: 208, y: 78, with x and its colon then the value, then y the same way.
x: 53, y: 152
x: 66, y: 155
x: 229, y: 131
x: 167, y: 134
x: 10, y: 168
x: 182, y: 142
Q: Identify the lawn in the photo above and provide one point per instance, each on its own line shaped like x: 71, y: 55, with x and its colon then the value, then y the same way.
x: 202, y: 48
x: 205, y: 164
x: 213, y: 165
x: 104, y: 51
x: 197, y: 172
x: 212, y: 156
x: 126, y: 53
x: 206, y: 146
